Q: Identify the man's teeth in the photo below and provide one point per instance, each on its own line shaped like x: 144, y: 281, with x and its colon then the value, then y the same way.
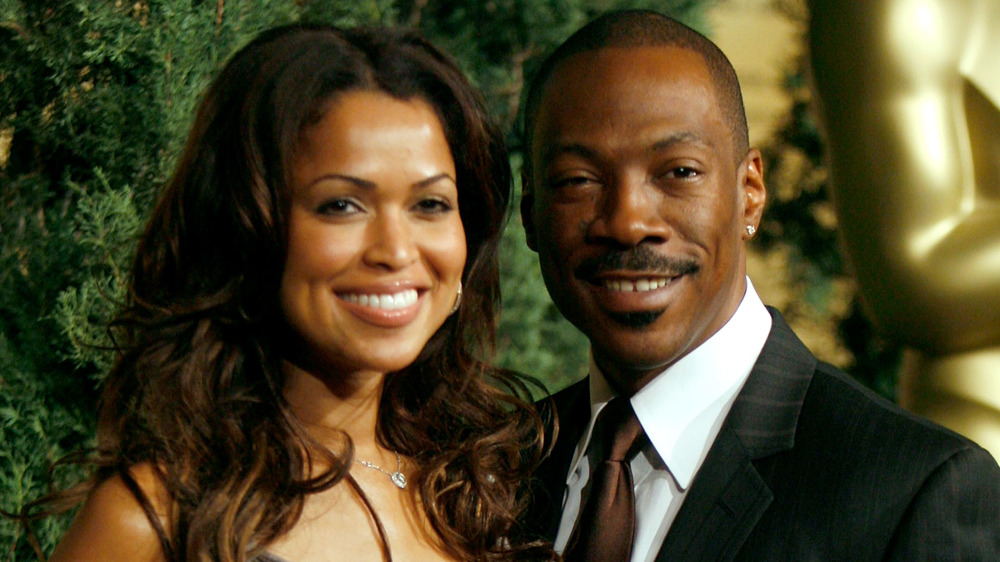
x: 384, y: 302
x: 636, y: 286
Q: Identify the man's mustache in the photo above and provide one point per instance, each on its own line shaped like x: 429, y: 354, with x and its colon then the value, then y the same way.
x: 637, y: 259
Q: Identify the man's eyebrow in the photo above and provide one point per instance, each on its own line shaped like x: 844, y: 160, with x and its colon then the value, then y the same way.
x: 576, y: 149
x: 573, y: 149
x: 683, y: 137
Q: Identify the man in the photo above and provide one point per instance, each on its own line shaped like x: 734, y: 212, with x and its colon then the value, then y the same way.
x: 640, y: 192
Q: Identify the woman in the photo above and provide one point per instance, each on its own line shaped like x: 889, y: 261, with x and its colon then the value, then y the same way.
x: 301, y: 375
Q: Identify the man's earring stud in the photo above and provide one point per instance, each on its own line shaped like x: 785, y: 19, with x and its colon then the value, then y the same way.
x: 751, y: 230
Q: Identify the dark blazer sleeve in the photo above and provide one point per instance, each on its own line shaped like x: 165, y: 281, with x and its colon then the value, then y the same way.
x: 956, y: 513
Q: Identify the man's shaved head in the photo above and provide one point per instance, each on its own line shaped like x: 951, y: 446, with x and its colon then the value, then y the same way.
x: 643, y: 28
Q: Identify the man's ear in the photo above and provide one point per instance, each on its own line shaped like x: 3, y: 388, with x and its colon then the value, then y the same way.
x: 754, y: 191
x: 527, y: 218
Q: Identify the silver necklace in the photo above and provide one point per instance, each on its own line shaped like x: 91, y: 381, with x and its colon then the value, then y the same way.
x: 397, y: 477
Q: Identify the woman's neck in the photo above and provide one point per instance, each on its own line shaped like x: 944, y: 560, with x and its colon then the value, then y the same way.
x: 326, y: 407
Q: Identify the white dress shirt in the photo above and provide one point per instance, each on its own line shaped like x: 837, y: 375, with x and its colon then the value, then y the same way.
x: 681, y: 411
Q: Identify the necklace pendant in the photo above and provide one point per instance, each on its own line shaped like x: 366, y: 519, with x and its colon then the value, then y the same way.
x: 398, y: 479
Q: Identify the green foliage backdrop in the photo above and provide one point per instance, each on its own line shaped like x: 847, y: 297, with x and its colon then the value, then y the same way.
x: 95, y: 100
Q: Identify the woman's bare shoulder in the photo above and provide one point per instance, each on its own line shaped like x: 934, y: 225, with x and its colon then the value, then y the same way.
x: 112, y: 525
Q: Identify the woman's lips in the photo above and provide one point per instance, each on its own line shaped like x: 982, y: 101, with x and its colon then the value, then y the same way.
x: 387, y: 309
x: 384, y: 301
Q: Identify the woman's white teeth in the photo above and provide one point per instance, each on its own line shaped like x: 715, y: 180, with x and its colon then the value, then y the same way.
x: 636, y: 286
x: 384, y: 302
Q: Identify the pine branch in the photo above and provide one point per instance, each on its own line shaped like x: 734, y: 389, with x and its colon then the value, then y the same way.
x: 15, y: 28
x: 415, y: 13
x: 220, y: 8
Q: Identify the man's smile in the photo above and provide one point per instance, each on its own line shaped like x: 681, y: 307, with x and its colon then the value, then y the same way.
x: 640, y: 285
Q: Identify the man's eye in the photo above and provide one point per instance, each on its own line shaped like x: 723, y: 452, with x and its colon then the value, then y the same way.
x: 682, y: 172
x: 574, y: 181
x: 338, y: 207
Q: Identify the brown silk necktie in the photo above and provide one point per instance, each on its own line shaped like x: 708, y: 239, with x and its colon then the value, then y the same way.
x: 606, y: 525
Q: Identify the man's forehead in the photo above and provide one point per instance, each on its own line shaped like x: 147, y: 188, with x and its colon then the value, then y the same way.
x: 596, y: 64
x: 617, y: 80
x: 648, y: 92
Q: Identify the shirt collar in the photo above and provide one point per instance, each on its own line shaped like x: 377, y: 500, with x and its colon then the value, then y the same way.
x: 682, y: 408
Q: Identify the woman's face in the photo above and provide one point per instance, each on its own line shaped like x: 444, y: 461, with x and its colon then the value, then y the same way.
x: 376, y: 246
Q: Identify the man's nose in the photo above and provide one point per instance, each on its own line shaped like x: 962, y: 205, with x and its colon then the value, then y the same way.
x: 629, y: 214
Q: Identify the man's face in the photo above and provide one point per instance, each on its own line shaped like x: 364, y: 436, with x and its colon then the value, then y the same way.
x: 638, y: 205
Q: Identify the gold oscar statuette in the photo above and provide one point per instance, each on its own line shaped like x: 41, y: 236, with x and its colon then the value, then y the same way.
x: 910, y: 103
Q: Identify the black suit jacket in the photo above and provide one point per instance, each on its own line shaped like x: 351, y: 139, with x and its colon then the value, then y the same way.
x: 810, y: 465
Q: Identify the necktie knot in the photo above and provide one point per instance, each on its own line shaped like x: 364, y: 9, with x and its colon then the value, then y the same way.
x: 619, y: 430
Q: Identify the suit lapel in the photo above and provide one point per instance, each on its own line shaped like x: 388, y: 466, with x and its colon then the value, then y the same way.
x: 766, y: 412
x: 572, y: 404
x: 728, y: 496
x: 725, y: 501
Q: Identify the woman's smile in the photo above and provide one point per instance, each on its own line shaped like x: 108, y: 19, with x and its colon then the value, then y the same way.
x: 384, y: 301
x: 386, y: 310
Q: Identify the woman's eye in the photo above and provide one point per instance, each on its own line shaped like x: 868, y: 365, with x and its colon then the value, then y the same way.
x: 338, y: 207
x: 433, y: 206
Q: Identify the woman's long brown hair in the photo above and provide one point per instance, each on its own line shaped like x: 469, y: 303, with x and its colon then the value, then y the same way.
x: 197, y: 390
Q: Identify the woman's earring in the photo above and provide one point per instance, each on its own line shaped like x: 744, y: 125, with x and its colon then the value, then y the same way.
x: 458, y: 300
x: 751, y: 230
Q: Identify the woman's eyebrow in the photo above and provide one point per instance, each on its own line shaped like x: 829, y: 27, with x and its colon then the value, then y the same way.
x: 434, y: 179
